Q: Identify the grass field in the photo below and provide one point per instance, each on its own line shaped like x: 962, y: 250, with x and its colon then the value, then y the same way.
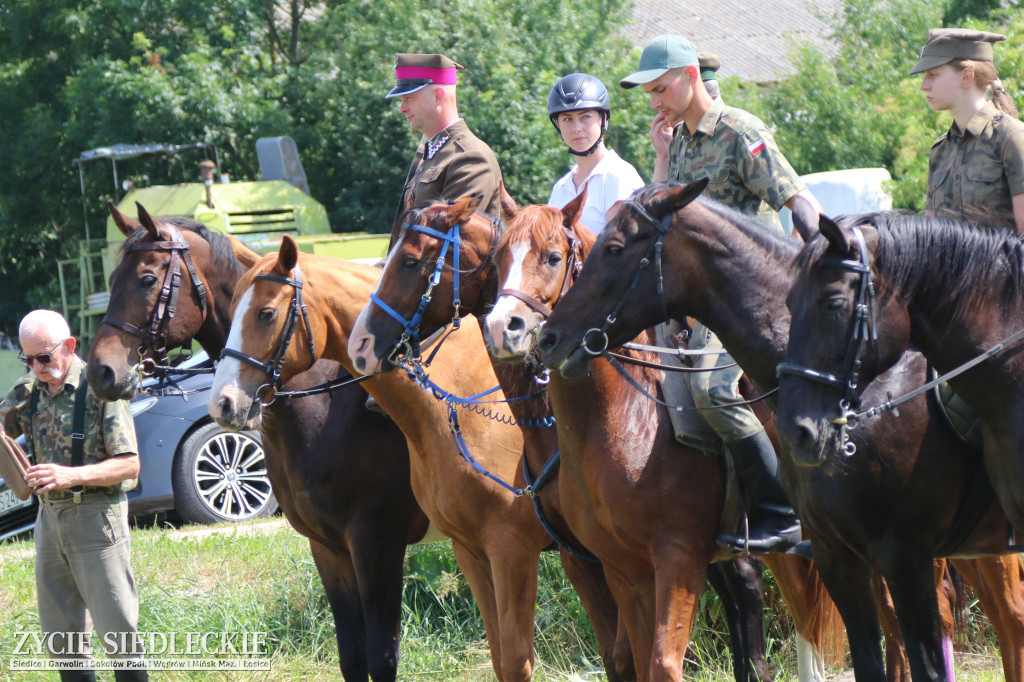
x: 240, y: 581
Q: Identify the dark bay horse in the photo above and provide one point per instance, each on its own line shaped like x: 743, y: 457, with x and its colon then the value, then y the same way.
x: 886, y: 511
x: 413, y: 260
x: 496, y: 537
x: 358, y: 513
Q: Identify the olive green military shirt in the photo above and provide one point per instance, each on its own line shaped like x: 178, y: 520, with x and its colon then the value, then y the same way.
x: 737, y: 153
x: 981, y: 168
x: 463, y: 165
x: 109, y: 427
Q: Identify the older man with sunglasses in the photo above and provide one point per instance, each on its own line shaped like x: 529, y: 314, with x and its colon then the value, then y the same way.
x: 86, y: 458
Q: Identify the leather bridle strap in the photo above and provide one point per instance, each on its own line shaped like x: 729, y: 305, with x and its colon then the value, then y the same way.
x: 296, y: 309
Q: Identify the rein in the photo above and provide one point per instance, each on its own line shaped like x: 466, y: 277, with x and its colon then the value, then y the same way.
x: 154, y: 337
x: 273, y: 365
x: 864, y: 328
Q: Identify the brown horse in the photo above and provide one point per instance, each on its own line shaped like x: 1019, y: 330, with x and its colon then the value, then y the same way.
x: 358, y: 513
x: 885, y: 511
x: 413, y: 261
x: 495, y: 535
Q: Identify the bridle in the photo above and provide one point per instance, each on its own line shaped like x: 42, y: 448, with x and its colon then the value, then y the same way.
x: 863, y: 328
x: 408, y: 345
x: 600, y: 335
x: 573, y: 266
x: 154, y: 337
x: 273, y: 365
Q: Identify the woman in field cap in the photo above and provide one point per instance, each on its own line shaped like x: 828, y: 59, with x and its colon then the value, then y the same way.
x: 976, y: 168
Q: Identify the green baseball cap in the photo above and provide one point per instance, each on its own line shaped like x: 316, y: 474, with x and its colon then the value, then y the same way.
x: 665, y: 52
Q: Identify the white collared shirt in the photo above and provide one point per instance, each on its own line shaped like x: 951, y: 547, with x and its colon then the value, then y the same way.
x: 611, y: 180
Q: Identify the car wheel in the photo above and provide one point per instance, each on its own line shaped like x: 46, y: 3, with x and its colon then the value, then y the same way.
x: 221, y: 476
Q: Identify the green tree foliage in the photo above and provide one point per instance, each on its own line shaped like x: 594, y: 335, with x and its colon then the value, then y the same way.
x: 77, y: 75
x: 859, y: 107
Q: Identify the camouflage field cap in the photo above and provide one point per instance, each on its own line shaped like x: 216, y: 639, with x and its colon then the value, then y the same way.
x: 416, y: 71
x: 946, y: 44
x: 709, y: 64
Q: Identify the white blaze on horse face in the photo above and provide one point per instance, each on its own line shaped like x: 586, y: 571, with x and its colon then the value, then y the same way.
x: 497, y: 319
x: 226, y: 381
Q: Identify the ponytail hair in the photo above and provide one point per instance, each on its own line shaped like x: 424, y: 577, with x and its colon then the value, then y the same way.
x: 986, y: 78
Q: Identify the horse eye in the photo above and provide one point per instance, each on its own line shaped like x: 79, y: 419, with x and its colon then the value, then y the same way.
x: 266, y: 315
x: 147, y: 281
x: 836, y: 304
x: 409, y: 262
x: 554, y: 258
x: 614, y: 249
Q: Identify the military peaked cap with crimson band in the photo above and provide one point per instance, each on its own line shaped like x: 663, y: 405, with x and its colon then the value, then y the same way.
x: 416, y: 71
x: 946, y: 44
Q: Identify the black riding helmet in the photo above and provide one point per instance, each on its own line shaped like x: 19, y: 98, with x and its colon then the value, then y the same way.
x: 575, y: 92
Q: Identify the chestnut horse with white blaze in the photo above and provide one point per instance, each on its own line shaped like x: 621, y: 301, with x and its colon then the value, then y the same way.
x: 292, y: 308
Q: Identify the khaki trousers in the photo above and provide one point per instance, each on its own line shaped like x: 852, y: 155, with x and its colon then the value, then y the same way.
x: 84, y: 577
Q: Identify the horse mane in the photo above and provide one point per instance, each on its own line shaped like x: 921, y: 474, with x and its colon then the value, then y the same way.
x: 220, y: 247
x: 546, y: 222
x: 956, y: 265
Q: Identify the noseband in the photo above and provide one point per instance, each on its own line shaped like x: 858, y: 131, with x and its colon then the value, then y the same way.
x: 600, y: 335
x: 154, y: 337
x: 273, y: 365
x: 573, y: 265
x: 408, y: 345
x: 863, y: 328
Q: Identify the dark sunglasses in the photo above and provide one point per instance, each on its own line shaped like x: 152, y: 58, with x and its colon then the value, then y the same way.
x: 43, y: 358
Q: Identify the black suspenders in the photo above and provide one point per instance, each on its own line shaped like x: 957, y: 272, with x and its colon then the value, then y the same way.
x: 77, y: 427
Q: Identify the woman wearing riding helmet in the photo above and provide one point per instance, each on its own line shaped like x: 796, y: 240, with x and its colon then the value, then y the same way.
x: 579, y: 108
x: 976, y: 168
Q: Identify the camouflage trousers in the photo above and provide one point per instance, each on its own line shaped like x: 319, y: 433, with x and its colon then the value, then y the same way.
x: 84, y: 577
x: 719, y: 389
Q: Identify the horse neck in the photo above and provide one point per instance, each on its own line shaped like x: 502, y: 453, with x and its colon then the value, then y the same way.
x: 220, y: 284
x: 734, y: 280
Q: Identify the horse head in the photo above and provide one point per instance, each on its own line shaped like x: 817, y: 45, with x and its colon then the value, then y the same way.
x: 618, y: 284
x: 157, y: 299
x: 538, y: 257
x: 438, y: 269
x: 845, y: 331
x: 273, y: 337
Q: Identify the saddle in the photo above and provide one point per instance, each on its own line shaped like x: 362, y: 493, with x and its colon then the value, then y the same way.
x: 964, y: 421
x: 13, y: 463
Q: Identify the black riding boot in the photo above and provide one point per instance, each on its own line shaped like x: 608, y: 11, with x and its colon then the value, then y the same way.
x: 777, y: 528
x: 131, y: 676
x: 77, y: 675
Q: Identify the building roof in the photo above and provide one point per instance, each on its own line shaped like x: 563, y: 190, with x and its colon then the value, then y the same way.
x: 754, y: 38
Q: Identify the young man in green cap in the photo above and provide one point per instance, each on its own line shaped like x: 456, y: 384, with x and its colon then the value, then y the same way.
x: 450, y: 161
x: 697, y: 137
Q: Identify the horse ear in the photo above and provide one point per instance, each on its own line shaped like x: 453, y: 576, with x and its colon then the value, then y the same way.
x: 684, y: 195
x: 243, y: 254
x: 464, y: 207
x: 151, y: 224
x: 571, y: 212
x: 837, y: 236
x: 287, y: 256
x: 125, y: 223
x: 509, y: 207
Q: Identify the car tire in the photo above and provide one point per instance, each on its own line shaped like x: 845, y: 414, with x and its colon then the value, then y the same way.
x: 221, y: 476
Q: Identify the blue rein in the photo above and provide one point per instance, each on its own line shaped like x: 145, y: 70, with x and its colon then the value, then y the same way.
x: 410, y: 339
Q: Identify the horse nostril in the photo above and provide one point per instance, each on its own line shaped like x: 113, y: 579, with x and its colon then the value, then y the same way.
x: 548, y: 340
x: 516, y: 324
x: 360, y: 363
x: 225, y: 406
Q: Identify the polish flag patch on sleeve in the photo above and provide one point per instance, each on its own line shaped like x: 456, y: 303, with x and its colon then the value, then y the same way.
x: 755, y: 147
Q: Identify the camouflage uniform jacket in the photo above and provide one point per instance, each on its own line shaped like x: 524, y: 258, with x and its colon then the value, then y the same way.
x: 738, y: 155
x: 981, y: 168
x: 463, y: 165
x: 109, y: 427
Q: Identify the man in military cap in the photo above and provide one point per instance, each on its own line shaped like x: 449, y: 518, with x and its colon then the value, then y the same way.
x: 976, y: 168
x: 709, y: 64
x: 450, y: 161
x: 695, y: 137
x: 86, y: 457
